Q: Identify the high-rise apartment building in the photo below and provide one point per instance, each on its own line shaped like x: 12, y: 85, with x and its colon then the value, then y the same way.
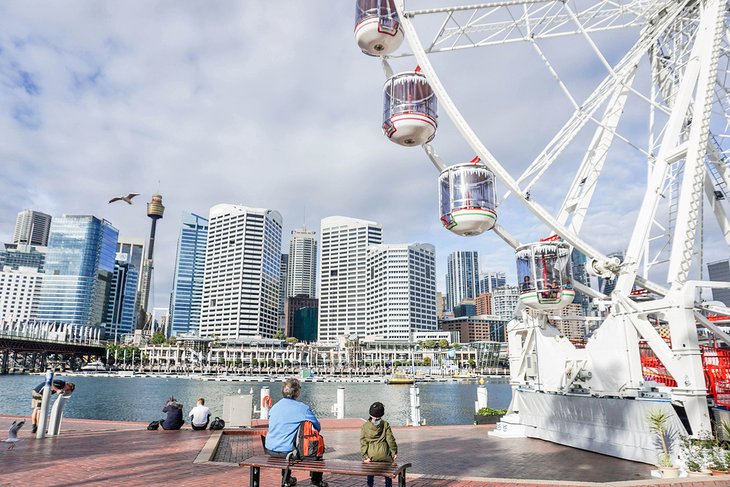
x: 484, y: 303
x: 720, y: 271
x: 187, y: 286
x: 571, y: 324
x: 504, y: 301
x: 19, y: 292
x: 283, y: 294
x: 242, y: 273
x: 491, y: 280
x: 302, y: 274
x: 120, y: 310
x: 32, y: 228
x: 21, y: 255
x: 79, y: 268
x: 401, y: 290
x: 462, y: 277
x: 343, y: 288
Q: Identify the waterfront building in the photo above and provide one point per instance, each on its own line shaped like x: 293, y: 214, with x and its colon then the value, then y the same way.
x: 302, y: 275
x: 462, y: 277
x: 32, y: 228
x: 720, y: 271
x: 293, y: 304
x: 484, y: 303
x: 401, y: 290
x: 187, y: 285
x: 504, y: 301
x: 79, y: 268
x: 466, y: 308
x: 476, y: 328
x: 343, y: 293
x: 16, y: 256
x: 571, y: 323
x: 437, y: 336
x: 242, y: 273
x: 283, y: 294
x: 19, y: 293
x: 490, y: 281
x: 120, y: 310
x: 304, y: 324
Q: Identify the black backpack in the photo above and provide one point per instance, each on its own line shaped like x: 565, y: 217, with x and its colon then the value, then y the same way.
x: 153, y: 425
x: 217, y: 424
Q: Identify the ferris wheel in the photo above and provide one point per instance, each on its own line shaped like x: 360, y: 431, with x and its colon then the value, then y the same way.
x: 675, y: 78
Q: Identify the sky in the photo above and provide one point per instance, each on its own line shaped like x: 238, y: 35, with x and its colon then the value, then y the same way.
x: 271, y: 104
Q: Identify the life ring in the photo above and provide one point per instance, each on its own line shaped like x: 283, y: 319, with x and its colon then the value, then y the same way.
x: 267, y: 402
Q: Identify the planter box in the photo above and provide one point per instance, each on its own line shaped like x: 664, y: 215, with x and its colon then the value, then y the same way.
x: 494, y: 419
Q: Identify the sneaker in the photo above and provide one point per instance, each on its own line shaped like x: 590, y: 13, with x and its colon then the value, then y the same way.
x: 34, y: 429
x: 320, y: 483
x: 291, y: 482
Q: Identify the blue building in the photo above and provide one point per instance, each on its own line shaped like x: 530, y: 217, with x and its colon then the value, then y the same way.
x: 187, y: 288
x: 19, y: 255
x: 121, y: 306
x: 79, y: 268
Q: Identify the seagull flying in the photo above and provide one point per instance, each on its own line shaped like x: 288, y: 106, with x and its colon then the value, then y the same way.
x: 127, y: 198
x: 13, y: 434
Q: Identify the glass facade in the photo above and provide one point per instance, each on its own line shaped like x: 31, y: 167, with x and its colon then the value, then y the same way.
x: 462, y: 277
x: 187, y: 289
x: 120, y: 310
x: 16, y: 256
x: 79, y: 269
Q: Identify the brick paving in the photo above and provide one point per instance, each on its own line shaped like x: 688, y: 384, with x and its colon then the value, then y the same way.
x: 91, y: 453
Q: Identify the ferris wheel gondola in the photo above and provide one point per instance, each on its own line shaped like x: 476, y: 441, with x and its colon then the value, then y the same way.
x: 410, y: 109
x: 467, y: 199
x: 544, y: 274
x: 377, y: 28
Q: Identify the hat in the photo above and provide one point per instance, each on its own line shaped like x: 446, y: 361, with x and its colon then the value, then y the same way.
x: 377, y: 410
x: 59, y: 384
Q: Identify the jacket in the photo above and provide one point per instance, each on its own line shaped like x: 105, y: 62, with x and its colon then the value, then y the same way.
x: 377, y: 442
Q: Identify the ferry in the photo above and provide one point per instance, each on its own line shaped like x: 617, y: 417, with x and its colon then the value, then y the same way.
x: 400, y: 379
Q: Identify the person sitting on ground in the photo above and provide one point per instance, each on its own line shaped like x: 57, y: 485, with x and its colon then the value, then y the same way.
x: 377, y: 443
x: 36, y: 394
x: 200, y: 415
x: 284, y: 420
x: 174, y: 419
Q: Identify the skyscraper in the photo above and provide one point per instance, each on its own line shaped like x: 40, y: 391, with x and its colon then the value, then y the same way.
x: 504, y: 301
x: 283, y: 282
x: 120, y: 310
x: 32, y: 228
x: 720, y: 271
x: 79, y: 268
x: 19, y: 292
x: 462, y: 277
x: 490, y: 281
x: 21, y: 255
x: 401, y: 290
x: 187, y: 286
x: 302, y: 274
x: 343, y: 293
x: 242, y: 272
x: 133, y: 248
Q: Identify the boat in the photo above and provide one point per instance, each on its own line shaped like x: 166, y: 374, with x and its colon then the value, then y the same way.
x: 400, y: 379
x: 97, y: 366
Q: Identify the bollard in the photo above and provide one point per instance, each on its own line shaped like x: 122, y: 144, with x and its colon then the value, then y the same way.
x: 265, y: 402
x: 481, y: 397
x: 340, y: 403
x: 415, y: 406
x: 41, y: 433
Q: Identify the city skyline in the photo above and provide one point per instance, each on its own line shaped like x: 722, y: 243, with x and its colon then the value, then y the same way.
x: 192, y: 118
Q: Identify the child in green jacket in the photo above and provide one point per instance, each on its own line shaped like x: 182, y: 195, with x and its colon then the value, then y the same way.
x: 377, y: 443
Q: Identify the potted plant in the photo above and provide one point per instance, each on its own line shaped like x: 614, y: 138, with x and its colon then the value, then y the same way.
x: 658, y: 424
x: 695, y: 453
x: 488, y: 415
x: 718, y: 463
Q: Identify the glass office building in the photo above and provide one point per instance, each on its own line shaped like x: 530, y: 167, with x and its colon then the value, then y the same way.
x: 79, y: 268
x: 121, y: 306
x: 187, y: 289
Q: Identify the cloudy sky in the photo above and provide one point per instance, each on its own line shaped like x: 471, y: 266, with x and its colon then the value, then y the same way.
x: 271, y: 104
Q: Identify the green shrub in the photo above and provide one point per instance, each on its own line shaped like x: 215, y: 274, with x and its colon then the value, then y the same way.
x: 491, y: 412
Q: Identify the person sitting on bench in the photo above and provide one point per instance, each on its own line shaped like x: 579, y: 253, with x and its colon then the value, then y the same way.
x: 284, y: 419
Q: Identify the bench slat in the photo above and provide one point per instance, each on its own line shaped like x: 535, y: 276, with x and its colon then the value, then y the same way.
x: 333, y: 466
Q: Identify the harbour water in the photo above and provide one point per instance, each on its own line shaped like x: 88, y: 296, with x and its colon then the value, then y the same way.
x: 142, y: 398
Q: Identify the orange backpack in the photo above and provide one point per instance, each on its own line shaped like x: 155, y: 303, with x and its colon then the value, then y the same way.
x: 308, y: 443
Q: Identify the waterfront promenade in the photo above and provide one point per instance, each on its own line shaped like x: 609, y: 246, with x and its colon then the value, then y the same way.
x: 92, y: 452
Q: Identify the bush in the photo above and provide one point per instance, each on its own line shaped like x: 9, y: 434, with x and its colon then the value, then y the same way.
x: 491, y: 412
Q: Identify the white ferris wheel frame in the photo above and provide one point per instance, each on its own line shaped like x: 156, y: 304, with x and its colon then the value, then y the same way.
x: 692, y: 95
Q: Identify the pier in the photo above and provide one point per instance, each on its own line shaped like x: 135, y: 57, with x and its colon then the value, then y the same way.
x: 110, y: 453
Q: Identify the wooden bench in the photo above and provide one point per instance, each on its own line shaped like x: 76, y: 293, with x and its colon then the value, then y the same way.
x: 334, y: 466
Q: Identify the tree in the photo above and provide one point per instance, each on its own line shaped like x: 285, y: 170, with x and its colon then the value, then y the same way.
x: 429, y: 343
x: 172, y: 341
x: 291, y: 340
x: 279, y: 335
x: 427, y: 361
x: 443, y: 343
x: 158, y: 338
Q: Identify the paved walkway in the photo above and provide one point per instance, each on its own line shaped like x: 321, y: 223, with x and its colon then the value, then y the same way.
x: 107, y: 453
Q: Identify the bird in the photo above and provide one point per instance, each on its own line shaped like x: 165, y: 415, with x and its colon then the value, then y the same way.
x: 13, y: 434
x: 127, y: 199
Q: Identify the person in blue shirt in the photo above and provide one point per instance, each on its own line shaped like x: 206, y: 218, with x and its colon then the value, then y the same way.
x: 57, y: 385
x: 284, y: 420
